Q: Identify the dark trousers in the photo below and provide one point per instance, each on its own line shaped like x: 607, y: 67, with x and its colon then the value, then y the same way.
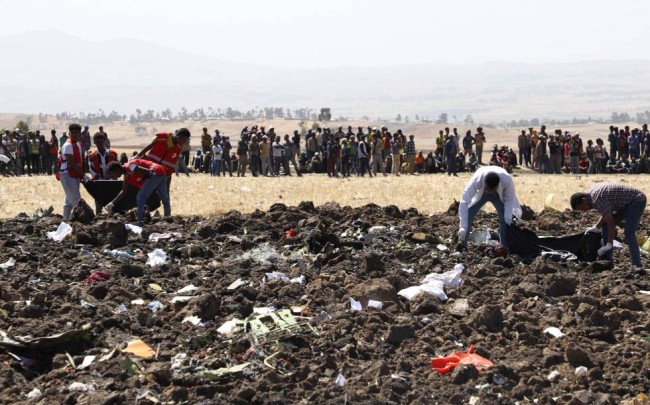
x: 36, y: 164
x: 631, y: 214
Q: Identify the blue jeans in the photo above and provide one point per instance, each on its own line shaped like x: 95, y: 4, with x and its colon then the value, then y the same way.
x: 498, y: 205
x: 158, y: 184
x: 216, y: 168
x: 631, y: 213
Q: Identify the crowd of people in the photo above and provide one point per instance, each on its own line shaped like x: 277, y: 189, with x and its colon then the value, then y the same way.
x: 340, y: 153
x: 32, y: 153
x: 624, y: 151
x: 355, y: 152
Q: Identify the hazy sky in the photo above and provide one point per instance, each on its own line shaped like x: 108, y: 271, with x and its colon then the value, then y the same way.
x: 354, y: 32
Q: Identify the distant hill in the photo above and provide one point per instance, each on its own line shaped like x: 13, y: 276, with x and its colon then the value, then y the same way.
x: 49, y: 71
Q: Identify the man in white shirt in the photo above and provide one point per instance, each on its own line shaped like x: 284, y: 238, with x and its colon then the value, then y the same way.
x: 488, y: 184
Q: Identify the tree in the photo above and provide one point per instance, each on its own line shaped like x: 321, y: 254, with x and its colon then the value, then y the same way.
x: 469, y: 120
x: 22, y: 126
x: 406, y: 119
x: 325, y: 115
x: 443, y: 119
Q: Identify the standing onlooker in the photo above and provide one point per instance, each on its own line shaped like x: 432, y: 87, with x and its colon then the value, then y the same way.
x: 396, y: 146
x: 589, y: 151
x: 332, y: 148
x: 555, y: 153
x: 35, y: 153
x: 54, y: 151
x: 410, y: 154
x: 85, y: 139
x: 451, y: 150
x: 265, y: 156
x: 468, y: 141
x: 363, y: 151
x: 107, y: 141
x: 524, y: 149
x: 479, y: 140
x: 254, y: 155
x: 345, y: 158
x: 44, y: 152
x: 242, y: 157
x: 277, y: 152
x: 377, y: 153
x: 227, y: 158
x: 217, y: 153
x: 574, y: 154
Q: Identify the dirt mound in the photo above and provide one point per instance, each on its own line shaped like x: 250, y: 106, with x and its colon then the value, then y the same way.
x: 296, y: 275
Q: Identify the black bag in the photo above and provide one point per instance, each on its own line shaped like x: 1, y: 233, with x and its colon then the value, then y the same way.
x: 527, y: 244
x: 104, y: 191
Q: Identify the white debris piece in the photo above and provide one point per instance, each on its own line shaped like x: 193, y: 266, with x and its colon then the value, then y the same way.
x: 81, y: 387
x: 263, y: 310
x: 133, y: 228
x: 581, y: 371
x: 35, y: 393
x: 434, y: 284
x: 88, y: 360
x: 187, y: 288
x: 157, y: 257
x: 181, y: 298
x: 264, y: 254
x: 450, y: 278
x: 355, y: 305
x: 229, y: 326
x: 155, y: 237
x: 375, y: 304
x: 178, y: 360
x: 340, y: 380
x: 553, y: 331
x: 194, y: 320
x: 8, y: 264
x: 553, y: 375
x: 236, y: 284
x: 61, y: 232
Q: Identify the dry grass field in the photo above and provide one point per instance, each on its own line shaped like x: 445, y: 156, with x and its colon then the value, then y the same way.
x: 204, y: 195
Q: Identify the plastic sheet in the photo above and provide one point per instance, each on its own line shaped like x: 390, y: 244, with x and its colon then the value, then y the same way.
x: 61, y: 232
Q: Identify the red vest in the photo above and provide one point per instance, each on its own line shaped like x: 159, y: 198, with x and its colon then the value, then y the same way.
x: 76, y: 152
x: 160, y: 154
x: 96, y: 163
x: 137, y: 179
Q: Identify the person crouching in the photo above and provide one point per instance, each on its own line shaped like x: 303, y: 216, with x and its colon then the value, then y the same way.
x: 144, y: 175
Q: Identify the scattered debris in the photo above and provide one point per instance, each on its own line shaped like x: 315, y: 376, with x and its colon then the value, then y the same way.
x: 139, y: 348
x: 157, y: 257
x: 61, y: 232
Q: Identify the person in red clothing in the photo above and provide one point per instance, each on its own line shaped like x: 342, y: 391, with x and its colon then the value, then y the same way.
x: 71, y: 170
x: 165, y: 150
x: 99, y: 160
x: 144, y: 175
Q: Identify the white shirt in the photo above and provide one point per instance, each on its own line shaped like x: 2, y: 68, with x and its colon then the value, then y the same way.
x: 102, y: 165
x: 217, y: 151
x: 67, y: 150
x: 476, y: 187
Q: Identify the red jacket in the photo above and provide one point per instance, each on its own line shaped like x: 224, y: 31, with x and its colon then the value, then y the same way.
x: 159, y: 153
x: 137, y: 179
